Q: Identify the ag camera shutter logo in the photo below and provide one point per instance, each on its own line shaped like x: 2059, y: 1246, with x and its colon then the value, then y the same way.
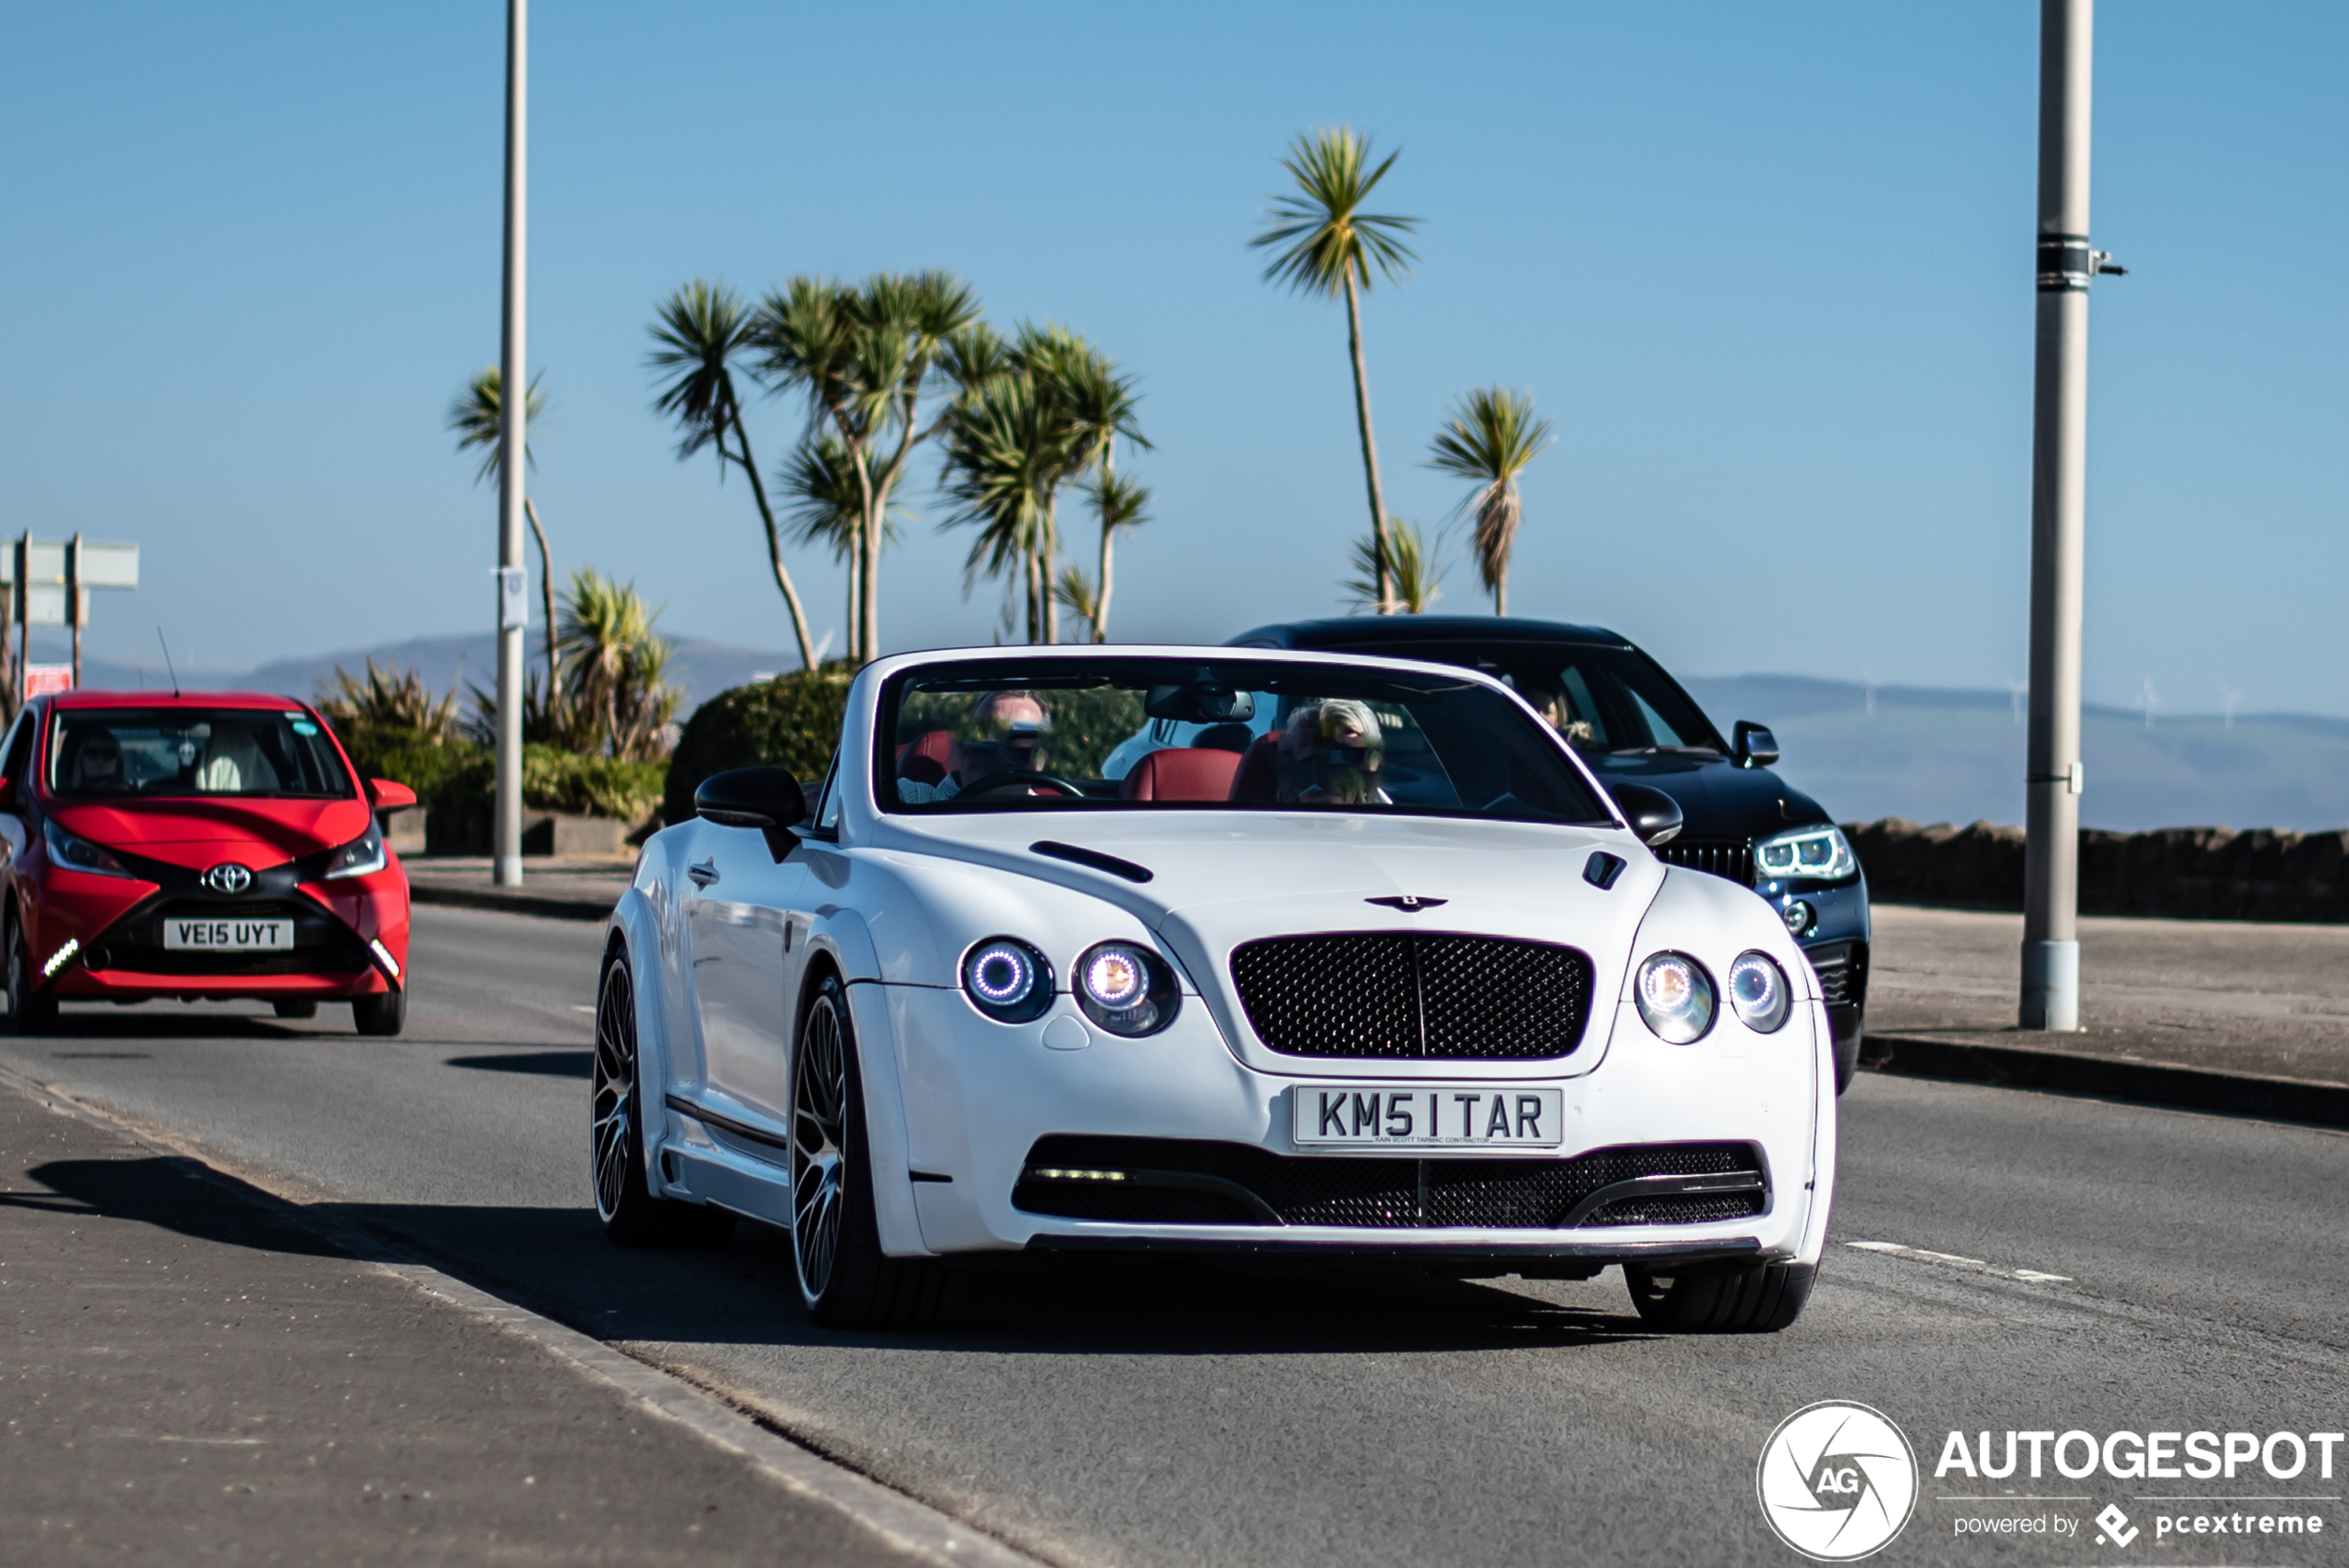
x: 1837, y: 1481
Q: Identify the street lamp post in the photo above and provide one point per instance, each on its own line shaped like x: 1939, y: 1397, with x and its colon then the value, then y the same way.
x: 2059, y: 499
x: 512, y: 413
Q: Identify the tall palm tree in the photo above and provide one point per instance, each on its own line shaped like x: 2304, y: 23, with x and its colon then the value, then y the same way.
x: 1418, y: 566
x: 1327, y: 245
x: 475, y: 416
x: 698, y: 333
x: 867, y: 358
x: 827, y: 498
x: 1493, y: 434
x: 1119, y: 503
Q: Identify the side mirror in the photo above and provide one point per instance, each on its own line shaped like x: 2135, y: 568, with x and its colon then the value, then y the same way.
x: 768, y: 799
x: 1654, y: 816
x: 1757, y: 747
x: 388, y: 796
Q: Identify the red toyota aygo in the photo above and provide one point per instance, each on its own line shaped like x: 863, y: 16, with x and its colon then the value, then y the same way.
x: 199, y: 845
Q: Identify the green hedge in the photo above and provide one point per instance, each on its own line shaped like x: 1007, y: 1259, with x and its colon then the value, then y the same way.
x: 792, y: 721
x: 555, y: 780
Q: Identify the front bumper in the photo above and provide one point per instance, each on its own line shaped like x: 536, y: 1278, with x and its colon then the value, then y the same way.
x: 351, y: 940
x: 978, y: 1097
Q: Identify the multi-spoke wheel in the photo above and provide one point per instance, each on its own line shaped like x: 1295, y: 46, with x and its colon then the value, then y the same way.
x: 631, y: 1216
x: 843, y: 1276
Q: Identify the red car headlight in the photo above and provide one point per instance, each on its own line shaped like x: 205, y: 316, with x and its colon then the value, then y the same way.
x: 78, y: 854
x: 363, y: 856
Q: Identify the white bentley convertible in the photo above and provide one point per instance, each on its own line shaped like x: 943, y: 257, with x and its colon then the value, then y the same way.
x: 1213, y: 951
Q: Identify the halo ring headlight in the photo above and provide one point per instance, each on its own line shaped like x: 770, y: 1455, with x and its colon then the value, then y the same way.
x: 1007, y: 980
x: 1676, y: 997
x: 1127, y: 988
x: 1759, y: 994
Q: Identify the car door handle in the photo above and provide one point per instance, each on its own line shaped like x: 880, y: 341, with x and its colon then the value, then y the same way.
x: 704, y: 873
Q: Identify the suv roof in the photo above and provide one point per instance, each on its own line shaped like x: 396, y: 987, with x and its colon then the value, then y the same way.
x: 1339, y: 630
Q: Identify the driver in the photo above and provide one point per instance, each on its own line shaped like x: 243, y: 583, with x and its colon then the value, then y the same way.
x: 98, y: 765
x: 1004, y: 730
x: 1331, y: 755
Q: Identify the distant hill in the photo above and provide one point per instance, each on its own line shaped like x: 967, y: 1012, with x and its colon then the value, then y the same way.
x: 1936, y: 754
x: 1930, y: 753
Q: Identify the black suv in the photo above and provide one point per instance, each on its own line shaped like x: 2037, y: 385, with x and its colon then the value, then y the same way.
x: 1634, y: 725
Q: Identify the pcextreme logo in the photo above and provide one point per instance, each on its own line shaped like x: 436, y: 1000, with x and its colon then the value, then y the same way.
x: 1837, y: 1481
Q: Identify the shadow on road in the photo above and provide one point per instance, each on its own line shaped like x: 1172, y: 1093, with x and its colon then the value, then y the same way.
x: 544, y: 1064
x: 556, y: 1261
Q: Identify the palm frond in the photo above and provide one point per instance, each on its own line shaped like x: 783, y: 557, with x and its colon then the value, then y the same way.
x: 477, y: 415
x: 1493, y: 434
x: 1075, y: 591
x: 697, y: 333
x: 1319, y: 233
x: 1418, y: 564
x: 1120, y: 502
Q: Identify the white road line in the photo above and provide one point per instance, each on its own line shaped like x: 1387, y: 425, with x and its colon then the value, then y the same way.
x: 1975, y: 1265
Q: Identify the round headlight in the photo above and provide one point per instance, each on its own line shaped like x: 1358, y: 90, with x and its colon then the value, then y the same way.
x: 1676, y: 997
x: 1127, y: 988
x: 1007, y: 980
x: 1759, y: 994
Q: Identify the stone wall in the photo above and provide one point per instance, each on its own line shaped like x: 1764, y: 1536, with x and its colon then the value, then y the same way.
x: 2194, y: 873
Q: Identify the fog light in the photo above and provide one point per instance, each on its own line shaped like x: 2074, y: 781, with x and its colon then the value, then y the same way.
x: 1800, y: 917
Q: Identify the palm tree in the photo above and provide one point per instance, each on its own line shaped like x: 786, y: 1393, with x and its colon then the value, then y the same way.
x: 475, y: 416
x: 616, y: 668
x: 1419, y: 567
x: 1008, y: 452
x: 829, y: 507
x: 1329, y: 246
x: 699, y: 331
x: 1493, y: 435
x: 866, y: 357
x: 1119, y: 503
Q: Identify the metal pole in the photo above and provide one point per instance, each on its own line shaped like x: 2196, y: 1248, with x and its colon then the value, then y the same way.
x: 2058, y: 495
x: 76, y: 602
x: 513, y: 383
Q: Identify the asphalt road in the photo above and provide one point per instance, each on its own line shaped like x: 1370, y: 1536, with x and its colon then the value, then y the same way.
x: 1169, y: 1418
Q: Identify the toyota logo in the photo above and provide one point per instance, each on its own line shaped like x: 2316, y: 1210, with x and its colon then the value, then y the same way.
x: 228, y: 878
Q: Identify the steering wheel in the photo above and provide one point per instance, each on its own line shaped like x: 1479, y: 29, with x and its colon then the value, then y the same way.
x: 1011, y: 775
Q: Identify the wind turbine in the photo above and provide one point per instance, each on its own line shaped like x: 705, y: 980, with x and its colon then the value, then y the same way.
x: 2150, y: 700
x: 2227, y: 701
x: 2017, y: 690
x: 1869, y: 673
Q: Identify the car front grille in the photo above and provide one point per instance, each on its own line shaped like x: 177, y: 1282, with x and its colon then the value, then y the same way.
x: 323, y: 945
x: 1427, y: 996
x: 1732, y: 858
x: 1188, y: 1181
x: 1843, y: 972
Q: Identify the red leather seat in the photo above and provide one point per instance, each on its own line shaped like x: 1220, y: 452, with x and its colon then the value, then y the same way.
x: 1256, y: 779
x: 937, y: 746
x: 1181, y: 773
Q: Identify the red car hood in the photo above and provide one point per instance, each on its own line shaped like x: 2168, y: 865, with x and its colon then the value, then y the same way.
x: 198, y: 834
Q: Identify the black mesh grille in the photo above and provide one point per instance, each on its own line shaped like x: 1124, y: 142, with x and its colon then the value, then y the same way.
x: 1732, y: 858
x: 1370, y: 1194
x: 1843, y: 972
x: 1434, y: 996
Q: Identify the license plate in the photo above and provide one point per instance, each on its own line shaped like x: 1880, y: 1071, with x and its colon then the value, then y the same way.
x: 228, y: 935
x: 1427, y: 1115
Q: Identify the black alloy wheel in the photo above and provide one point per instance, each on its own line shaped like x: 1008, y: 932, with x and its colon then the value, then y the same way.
x: 631, y: 1214
x: 844, y: 1279
x: 1758, y: 1298
x: 386, y: 1012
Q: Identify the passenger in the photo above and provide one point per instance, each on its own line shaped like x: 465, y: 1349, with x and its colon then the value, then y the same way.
x: 97, y: 767
x: 233, y: 764
x: 1332, y: 752
x: 1001, y: 735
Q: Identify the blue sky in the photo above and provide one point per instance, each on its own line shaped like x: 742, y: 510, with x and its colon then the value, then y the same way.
x: 1767, y: 267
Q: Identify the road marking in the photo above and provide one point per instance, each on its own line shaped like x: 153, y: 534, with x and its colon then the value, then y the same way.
x: 1975, y: 1265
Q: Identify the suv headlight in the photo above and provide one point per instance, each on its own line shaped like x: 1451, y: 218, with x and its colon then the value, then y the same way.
x: 78, y: 854
x: 1126, y: 990
x: 1007, y: 980
x: 1676, y: 997
x: 363, y: 856
x: 1819, y: 854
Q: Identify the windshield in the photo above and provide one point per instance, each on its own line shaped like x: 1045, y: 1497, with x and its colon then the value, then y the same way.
x: 1603, y: 700
x: 154, y: 751
x: 1110, y: 733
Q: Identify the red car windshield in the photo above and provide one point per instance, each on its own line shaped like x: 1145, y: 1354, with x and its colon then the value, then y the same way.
x: 114, y: 752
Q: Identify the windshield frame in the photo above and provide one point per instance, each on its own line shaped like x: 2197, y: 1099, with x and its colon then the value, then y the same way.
x: 59, y: 716
x: 1008, y: 667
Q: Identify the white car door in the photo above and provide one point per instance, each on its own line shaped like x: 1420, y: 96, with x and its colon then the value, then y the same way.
x: 736, y: 908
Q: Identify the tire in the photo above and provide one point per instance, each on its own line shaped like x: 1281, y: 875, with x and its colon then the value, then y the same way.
x: 305, y: 1006
x: 29, y: 1013
x: 1846, y: 1062
x: 632, y: 1216
x: 1758, y: 1298
x: 845, y: 1280
x: 383, y: 1013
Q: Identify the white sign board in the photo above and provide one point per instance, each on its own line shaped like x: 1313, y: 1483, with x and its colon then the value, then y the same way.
x: 513, y: 597
x: 109, y: 565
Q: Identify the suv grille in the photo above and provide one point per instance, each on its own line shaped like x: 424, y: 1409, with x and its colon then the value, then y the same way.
x: 1188, y: 1181
x: 1732, y: 858
x: 1843, y: 972
x: 1433, y: 997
